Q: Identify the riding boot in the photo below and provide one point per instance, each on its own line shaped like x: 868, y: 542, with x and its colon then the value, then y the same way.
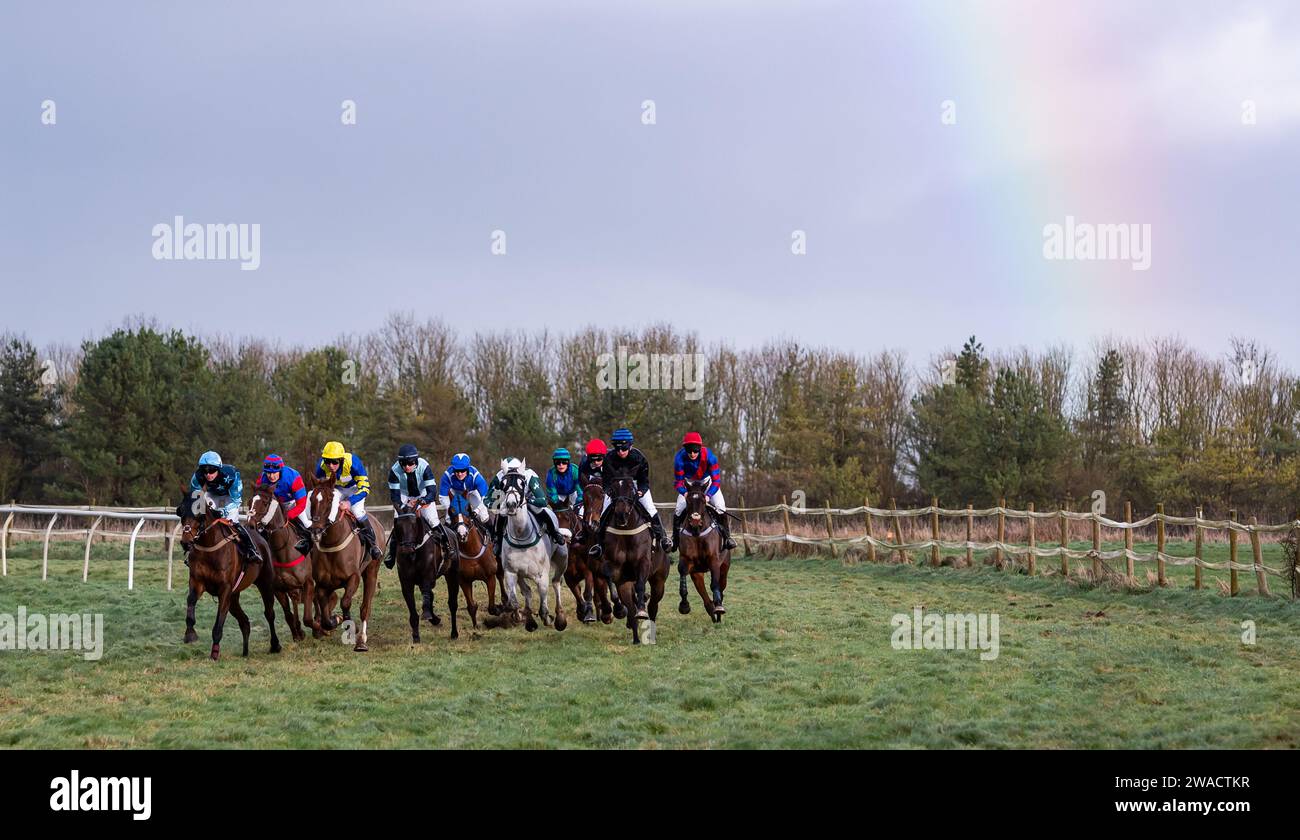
x: 304, y: 537
x: 552, y: 528
x: 725, y: 527
x: 391, y: 560
x: 367, y: 532
x: 498, y: 532
x: 598, y: 538
x: 677, y: 529
x: 657, y: 527
x: 246, y: 547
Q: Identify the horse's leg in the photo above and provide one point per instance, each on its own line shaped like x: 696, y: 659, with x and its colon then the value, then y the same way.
x: 453, y: 596
x: 589, y: 606
x: 266, y: 588
x: 196, y: 589
x: 467, y: 587
x: 525, y: 584
x: 371, y: 581
x: 223, y: 606
x: 308, y: 601
x: 715, y: 584
x: 289, y: 610
x: 698, y: 577
x: 413, y: 615
x: 241, y: 618
x: 556, y: 586
x: 641, y: 577
x: 511, y: 600
x: 656, y: 594
x: 685, y: 606
x: 426, y: 604
x: 572, y: 581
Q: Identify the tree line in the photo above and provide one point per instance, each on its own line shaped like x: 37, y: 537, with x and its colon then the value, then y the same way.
x: 121, y: 419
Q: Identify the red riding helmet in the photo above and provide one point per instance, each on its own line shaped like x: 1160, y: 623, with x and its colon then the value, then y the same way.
x: 692, y: 437
x: 596, y: 446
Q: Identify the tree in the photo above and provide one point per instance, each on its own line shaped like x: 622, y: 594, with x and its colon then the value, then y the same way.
x: 27, y: 414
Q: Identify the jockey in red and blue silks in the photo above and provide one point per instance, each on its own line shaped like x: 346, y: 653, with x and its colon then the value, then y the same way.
x: 287, y: 485
x: 696, y: 462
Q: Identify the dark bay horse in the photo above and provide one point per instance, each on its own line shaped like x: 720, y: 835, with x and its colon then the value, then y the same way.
x: 636, y: 568
x: 291, y: 570
x: 701, y: 551
x: 475, y: 557
x: 216, y: 568
x: 339, y: 559
x: 420, y: 562
x: 580, y: 569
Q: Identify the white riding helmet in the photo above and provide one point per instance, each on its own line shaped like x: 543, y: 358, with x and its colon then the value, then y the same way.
x: 510, y: 465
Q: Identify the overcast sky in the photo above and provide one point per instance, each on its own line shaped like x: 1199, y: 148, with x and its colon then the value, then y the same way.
x: 769, y: 118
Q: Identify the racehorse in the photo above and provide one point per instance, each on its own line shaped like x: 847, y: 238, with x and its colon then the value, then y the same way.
x: 339, y: 559
x: 476, y: 560
x: 420, y: 562
x: 579, y: 569
x: 216, y: 567
x: 631, y: 561
x: 701, y: 551
x: 291, y: 571
x: 528, y: 555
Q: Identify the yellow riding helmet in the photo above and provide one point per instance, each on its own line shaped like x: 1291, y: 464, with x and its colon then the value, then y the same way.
x: 332, y: 450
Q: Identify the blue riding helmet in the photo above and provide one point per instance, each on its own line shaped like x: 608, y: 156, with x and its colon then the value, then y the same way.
x: 460, y: 461
x: 209, y: 459
x: 407, y: 451
x: 561, y: 454
x: 621, y: 435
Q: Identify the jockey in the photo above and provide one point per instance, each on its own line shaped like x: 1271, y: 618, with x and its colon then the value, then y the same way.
x: 694, y: 461
x: 562, y: 487
x: 590, y: 468
x: 291, y: 493
x: 220, y: 484
x: 628, y: 462
x: 462, y: 477
x: 533, y: 496
x: 350, y: 474
x: 413, y: 489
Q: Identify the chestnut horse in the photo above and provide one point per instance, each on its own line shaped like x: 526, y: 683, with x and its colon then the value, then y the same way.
x: 701, y: 551
x: 292, y: 571
x: 339, y: 559
x: 475, y: 557
x: 580, y: 570
x: 216, y: 568
x: 420, y: 562
x: 631, y: 562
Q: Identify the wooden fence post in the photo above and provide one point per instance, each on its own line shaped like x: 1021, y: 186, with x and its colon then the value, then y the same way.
x: 898, y: 531
x: 1128, y: 538
x: 1065, y: 540
x: 1160, y: 544
x: 4, y: 544
x: 1002, y: 532
x: 871, y: 547
x: 1260, y: 580
x: 1033, y: 558
x: 830, y: 530
x: 1199, y: 556
x: 785, y: 516
x: 1096, y: 546
x: 934, y: 530
x: 1232, y: 555
x: 970, y: 531
x: 744, y: 527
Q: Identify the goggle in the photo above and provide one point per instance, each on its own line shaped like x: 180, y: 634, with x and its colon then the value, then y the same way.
x: 409, y: 462
x: 334, y: 462
x: 623, y: 445
x: 560, y: 462
x: 693, y: 449
x: 595, y: 459
x: 210, y: 470
x: 460, y: 472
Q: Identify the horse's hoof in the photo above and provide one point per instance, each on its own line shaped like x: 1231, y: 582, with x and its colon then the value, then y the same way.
x: 589, y: 617
x: 216, y: 652
x: 607, y: 618
x: 361, y: 647
x: 719, y: 609
x: 191, y: 637
x: 560, y: 623
x: 427, y: 615
x: 717, y: 618
x: 415, y: 638
x: 684, y: 607
x: 642, y: 614
x: 494, y: 610
x: 455, y: 634
x: 317, y: 634
x: 620, y: 611
x: 275, y: 648
x: 435, y: 621
x: 531, y: 625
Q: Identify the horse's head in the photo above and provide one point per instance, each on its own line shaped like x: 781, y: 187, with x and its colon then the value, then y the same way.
x: 196, y: 514
x: 323, y: 504
x: 406, y: 532
x: 263, y: 507
x: 624, y: 502
x: 593, y: 503
x: 514, y: 485
x: 697, y: 497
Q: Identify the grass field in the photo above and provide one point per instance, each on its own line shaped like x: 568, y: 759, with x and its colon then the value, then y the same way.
x: 803, y: 659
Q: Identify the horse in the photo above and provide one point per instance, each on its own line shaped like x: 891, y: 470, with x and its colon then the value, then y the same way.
x: 475, y: 557
x: 631, y: 561
x: 216, y: 568
x: 292, y: 576
x: 579, y: 570
x: 339, y: 559
x: 420, y: 562
x: 527, y: 554
x: 701, y: 551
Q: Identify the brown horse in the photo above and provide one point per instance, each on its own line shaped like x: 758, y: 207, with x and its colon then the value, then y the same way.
x: 580, y: 570
x: 339, y: 559
x: 292, y: 571
x: 420, y: 562
x: 216, y: 567
x: 630, y: 561
x: 475, y: 559
x: 701, y: 551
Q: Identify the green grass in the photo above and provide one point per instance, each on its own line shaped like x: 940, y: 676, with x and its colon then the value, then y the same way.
x: 803, y: 659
